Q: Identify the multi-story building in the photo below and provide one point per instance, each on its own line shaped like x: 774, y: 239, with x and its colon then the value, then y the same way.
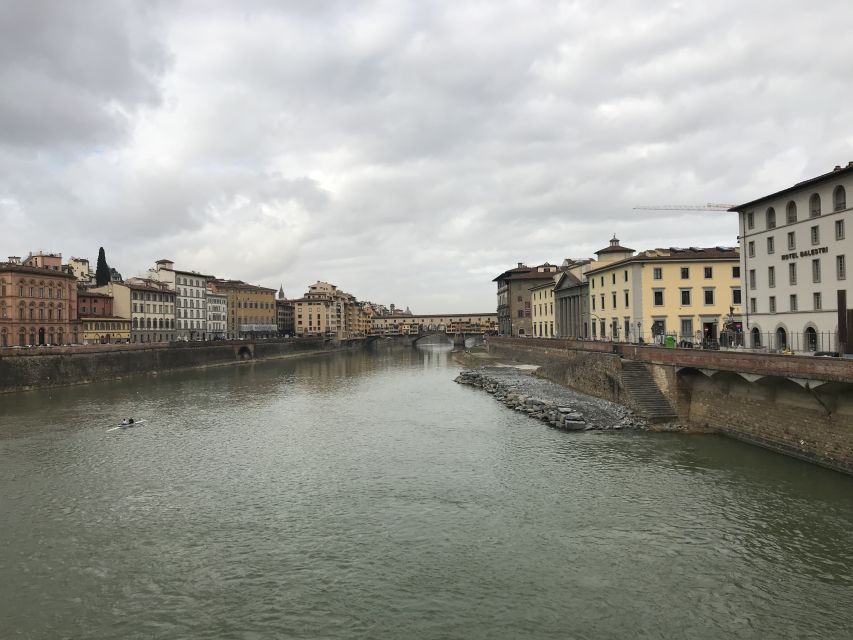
x: 251, y: 309
x: 322, y: 311
x: 794, y: 251
x: 359, y: 317
x: 284, y: 314
x: 542, y: 308
x: 38, y: 302
x: 689, y: 294
x: 81, y: 269
x: 190, y: 289
x: 515, y: 311
x: 149, y: 304
x: 217, y: 316
x: 94, y: 303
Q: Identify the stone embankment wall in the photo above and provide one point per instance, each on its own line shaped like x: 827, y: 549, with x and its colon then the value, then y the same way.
x: 801, y: 407
x: 60, y: 366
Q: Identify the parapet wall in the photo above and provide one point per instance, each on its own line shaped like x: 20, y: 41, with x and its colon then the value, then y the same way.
x: 60, y: 366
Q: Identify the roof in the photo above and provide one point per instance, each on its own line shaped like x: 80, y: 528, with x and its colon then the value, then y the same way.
x: 675, y: 254
x: 528, y: 273
x: 238, y: 284
x: 96, y: 317
x: 567, y: 280
x: 835, y: 173
x: 38, y: 271
x: 194, y: 273
x: 91, y: 294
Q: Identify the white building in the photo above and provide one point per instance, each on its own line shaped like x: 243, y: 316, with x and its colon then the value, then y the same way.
x: 794, y: 253
x: 217, y: 316
x: 190, y: 288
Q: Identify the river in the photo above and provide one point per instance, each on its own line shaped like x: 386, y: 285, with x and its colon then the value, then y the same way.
x: 366, y: 495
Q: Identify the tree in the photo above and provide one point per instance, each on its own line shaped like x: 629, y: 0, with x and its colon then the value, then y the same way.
x: 102, y: 271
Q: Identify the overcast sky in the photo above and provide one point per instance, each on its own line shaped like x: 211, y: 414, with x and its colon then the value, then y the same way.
x: 406, y: 151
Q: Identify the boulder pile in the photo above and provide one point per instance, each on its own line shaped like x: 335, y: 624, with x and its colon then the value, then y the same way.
x: 554, y: 410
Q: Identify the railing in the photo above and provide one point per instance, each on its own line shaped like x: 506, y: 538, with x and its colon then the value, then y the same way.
x: 825, y: 342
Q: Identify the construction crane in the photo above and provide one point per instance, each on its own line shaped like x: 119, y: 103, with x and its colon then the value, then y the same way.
x: 711, y: 206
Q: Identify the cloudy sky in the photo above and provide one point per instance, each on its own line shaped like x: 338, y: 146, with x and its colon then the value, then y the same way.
x: 408, y: 151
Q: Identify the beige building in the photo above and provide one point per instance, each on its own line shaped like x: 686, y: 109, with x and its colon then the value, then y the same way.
x: 542, y: 308
x: 105, y: 329
x: 688, y: 294
x: 149, y: 304
x: 322, y: 311
x: 251, y: 309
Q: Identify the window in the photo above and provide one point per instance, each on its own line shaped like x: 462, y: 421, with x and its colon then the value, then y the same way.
x: 816, y: 270
x: 771, y: 277
x: 686, y: 328
x: 818, y: 303
x: 815, y: 234
x: 735, y: 272
x: 750, y: 220
x: 520, y: 314
x: 839, y: 229
x: 771, y: 245
x: 626, y: 275
x: 840, y: 268
x: 793, y: 302
x: 685, y: 297
x: 736, y: 296
x: 602, y: 301
x: 658, y: 273
x: 753, y: 305
x: 839, y: 199
x: 792, y: 242
x: 658, y: 296
x: 792, y: 273
x: 626, y: 298
x: 613, y: 278
x: 771, y: 218
x: 614, y: 299
x: 709, y: 273
x: 593, y: 303
x: 791, y: 212
x: 814, y: 206
x: 772, y: 303
x: 709, y: 296
x: 751, y: 249
x: 752, y: 278
x: 685, y: 273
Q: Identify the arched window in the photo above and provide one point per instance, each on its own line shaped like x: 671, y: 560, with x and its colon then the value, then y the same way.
x: 147, y: 323
x: 771, y: 218
x: 839, y: 198
x: 814, y: 206
x: 160, y: 323
x: 791, y: 212
x: 811, y: 339
x: 781, y: 338
x: 4, y: 340
x: 22, y: 338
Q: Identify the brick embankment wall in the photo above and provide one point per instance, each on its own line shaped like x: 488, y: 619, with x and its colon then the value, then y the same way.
x: 67, y: 366
x: 773, y: 412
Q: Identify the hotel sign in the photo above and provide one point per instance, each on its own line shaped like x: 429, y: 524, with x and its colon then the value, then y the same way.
x: 804, y: 254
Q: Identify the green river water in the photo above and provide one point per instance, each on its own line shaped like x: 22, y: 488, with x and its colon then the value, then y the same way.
x: 366, y: 495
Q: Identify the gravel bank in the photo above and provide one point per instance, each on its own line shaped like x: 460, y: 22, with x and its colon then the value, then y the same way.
x: 560, y: 407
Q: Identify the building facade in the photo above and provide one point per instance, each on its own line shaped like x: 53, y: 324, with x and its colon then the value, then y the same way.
x: 515, y: 305
x: 322, y: 311
x: 190, y: 289
x: 38, y: 302
x: 251, y: 309
x: 689, y: 294
x: 542, y: 309
x: 794, y: 256
x: 149, y: 304
x: 217, y: 316
x: 571, y: 301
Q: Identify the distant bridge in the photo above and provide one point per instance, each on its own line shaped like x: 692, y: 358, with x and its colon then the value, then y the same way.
x: 459, y: 340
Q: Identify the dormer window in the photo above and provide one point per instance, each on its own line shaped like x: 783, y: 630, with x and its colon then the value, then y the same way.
x: 839, y: 198
x: 814, y: 206
x: 771, y: 218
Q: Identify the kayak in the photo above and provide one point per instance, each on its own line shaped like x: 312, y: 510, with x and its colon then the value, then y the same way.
x: 136, y: 423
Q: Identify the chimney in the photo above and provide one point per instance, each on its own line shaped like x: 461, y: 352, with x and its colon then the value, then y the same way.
x: 837, y: 167
x: 520, y: 265
x: 850, y: 164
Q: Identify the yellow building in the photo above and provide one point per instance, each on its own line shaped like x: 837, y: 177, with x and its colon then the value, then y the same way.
x: 542, y: 309
x: 251, y: 309
x: 326, y: 311
x: 105, y: 329
x: 689, y: 294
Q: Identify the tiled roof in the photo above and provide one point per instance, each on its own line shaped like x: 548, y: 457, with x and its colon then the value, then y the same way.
x: 39, y: 271
x: 675, y: 254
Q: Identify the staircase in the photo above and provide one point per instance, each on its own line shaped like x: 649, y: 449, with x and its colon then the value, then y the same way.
x: 642, y: 390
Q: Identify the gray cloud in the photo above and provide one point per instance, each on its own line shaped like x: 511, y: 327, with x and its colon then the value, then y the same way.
x: 406, y: 151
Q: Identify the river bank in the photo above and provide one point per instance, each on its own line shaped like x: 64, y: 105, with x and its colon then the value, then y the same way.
x: 561, y: 407
x: 69, y: 366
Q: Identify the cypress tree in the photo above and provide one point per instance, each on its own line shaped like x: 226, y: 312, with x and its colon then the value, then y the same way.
x: 102, y: 271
